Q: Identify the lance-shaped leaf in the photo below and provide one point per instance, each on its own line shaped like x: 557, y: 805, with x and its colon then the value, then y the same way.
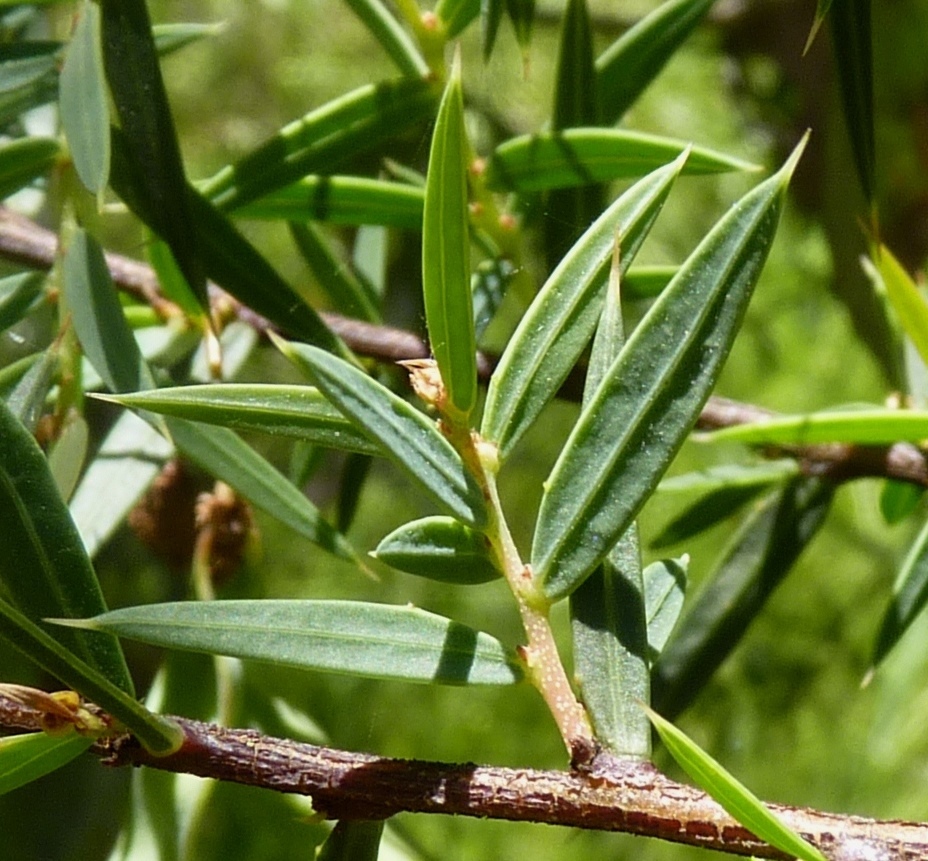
x: 456, y: 14
x: 904, y: 296
x: 18, y: 293
x: 440, y: 548
x: 910, y: 593
x: 352, y: 840
x: 627, y: 66
x: 449, y: 311
x: 22, y: 161
x: 821, y: 10
x: 374, y: 640
x: 664, y: 590
x: 391, y: 36
x: 581, y: 156
x: 300, y: 412
x: 853, y: 50
x: 44, y: 568
x: 761, y: 554
x: 84, y: 101
x: 557, y: 327
x: 25, y: 758
x: 649, y: 399
x: 409, y: 438
x: 739, y: 801
x: 156, y: 733
x: 341, y: 200
x: 134, y: 76
x: 323, y: 139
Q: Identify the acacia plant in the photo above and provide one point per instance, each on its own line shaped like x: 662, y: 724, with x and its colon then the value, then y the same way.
x: 127, y: 385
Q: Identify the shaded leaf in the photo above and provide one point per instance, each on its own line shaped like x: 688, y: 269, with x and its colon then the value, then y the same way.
x: 44, y: 568
x: 581, y: 156
x: 560, y: 321
x: 491, y: 13
x: 391, y: 36
x: 456, y: 14
x: 634, y: 425
x: 172, y: 37
x: 374, y: 640
x: 352, y: 840
x: 627, y: 66
x: 898, y: 499
x: 27, y: 399
x: 821, y: 11
x: 25, y: 758
x: 910, y: 592
x: 446, y: 289
x: 324, y: 139
x: 84, y: 101
x: 761, y: 554
x: 409, y: 438
x: 300, y: 412
x: 737, y: 800
x: 18, y: 293
x: 439, y: 548
x: 157, y: 734
x: 22, y: 161
x: 646, y: 282
x: 66, y: 456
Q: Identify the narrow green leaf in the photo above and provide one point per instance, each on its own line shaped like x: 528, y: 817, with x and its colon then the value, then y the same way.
x: 861, y: 427
x: 409, y: 438
x: 641, y: 413
x: 449, y: 311
x: 68, y: 453
x: 300, y: 412
x: 664, y: 590
x: 44, y: 568
x: 522, y: 15
x: 148, y: 135
x: 349, y: 293
x: 439, y: 548
x: 226, y: 456
x: 391, y: 36
x: 157, y: 734
x: 899, y: 499
x: 98, y: 317
x: 352, y: 840
x: 904, y: 296
x: 910, y: 592
x: 25, y: 758
x: 760, y: 475
x: 853, y: 50
x: 374, y: 640
x: 761, y: 554
x: 341, y: 200
x: 627, y: 66
x: 647, y: 282
x: 171, y: 279
x: 324, y: 139
x: 14, y: 373
x: 228, y: 258
x: 28, y: 77
x: 821, y: 10
x: 84, y: 101
x: 557, y: 327
x: 456, y: 14
x: 488, y: 286
x: 24, y: 160
x: 491, y: 14
x: 172, y: 37
x: 739, y: 801
x: 581, y: 156
x: 27, y: 399
x: 18, y: 294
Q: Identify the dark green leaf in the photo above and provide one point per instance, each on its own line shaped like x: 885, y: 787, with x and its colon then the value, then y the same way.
x: 22, y: 161
x: 300, y: 412
x: 409, y: 438
x: 440, y: 548
x: 374, y: 640
x: 148, y: 137
x: 324, y: 139
x: 641, y: 413
x: 628, y: 65
x: 853, y: 50
x: 821, y: 11
x: 449, y: 311
x: 27, y: 400
x: 581, y: 156
x: 84, y: 102
x: 352, y: 840
x: 158, y: 734
x: 898, y: 499
x: 391, y: 36
x: 18, y: 294
x: 341, y: 200
x: 557, y: 327
x: 910, y: 593
x: 25, y: 758
x: 456, y: 14
x: 740, y: 802
x: 44, y: 568
x: 491, y: 13
x: 522, y: 15
x: 761, y: 554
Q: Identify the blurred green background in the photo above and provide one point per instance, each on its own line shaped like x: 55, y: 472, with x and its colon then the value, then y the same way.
x: 786, y: 713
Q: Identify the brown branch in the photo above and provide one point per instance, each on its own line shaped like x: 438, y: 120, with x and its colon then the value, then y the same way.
x: 23, y: 241
x: 613, y: 795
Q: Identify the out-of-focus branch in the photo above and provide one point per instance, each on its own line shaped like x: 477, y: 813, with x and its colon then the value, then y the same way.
x: 612, y: 795
x: 23, y: 241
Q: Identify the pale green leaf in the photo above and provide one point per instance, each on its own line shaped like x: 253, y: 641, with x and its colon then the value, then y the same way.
x: 664, y: 590
x: 904, y: 296
x: 374, y: 640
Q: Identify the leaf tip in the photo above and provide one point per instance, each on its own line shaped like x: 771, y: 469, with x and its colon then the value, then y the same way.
x: 790, y: 164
